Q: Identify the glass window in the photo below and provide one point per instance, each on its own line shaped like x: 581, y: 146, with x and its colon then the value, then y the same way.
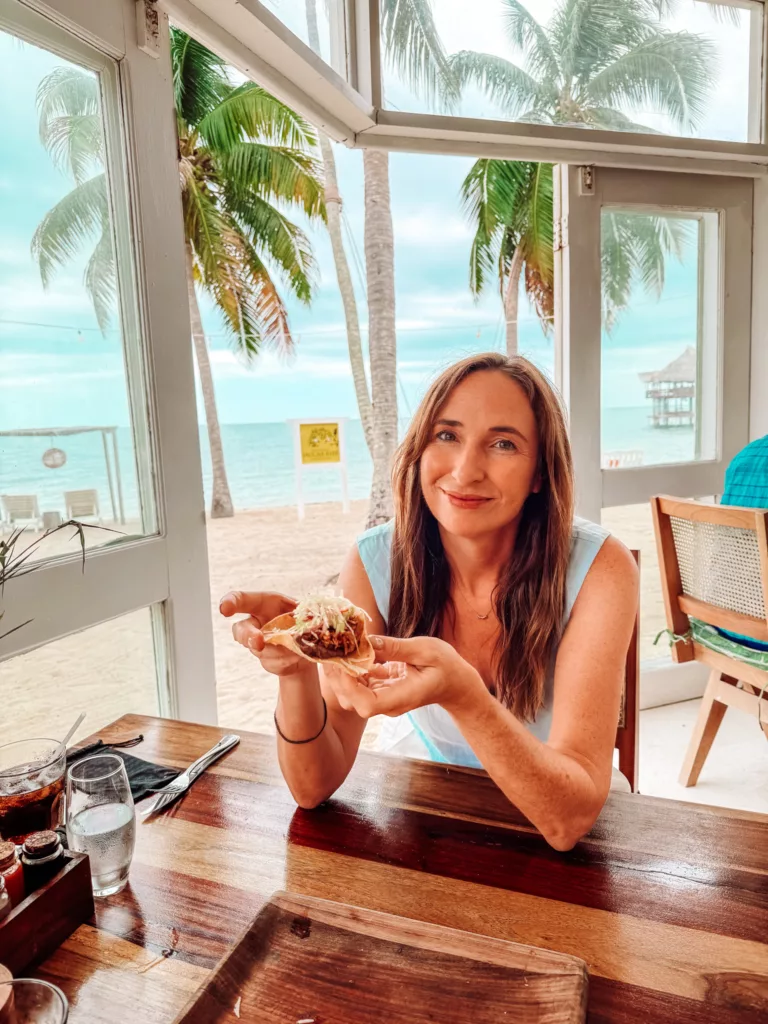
x: 660, y: 290
x: 73, y: 432
x: 108, y: 671
x: 321, y: 24
x: 690, y: 68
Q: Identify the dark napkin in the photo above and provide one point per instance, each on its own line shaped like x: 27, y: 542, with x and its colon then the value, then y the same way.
x: 143, y: 776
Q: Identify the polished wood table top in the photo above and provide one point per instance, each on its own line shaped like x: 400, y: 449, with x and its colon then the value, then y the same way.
x: 666, y: 902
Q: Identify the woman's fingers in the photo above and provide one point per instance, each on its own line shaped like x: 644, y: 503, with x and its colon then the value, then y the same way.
x: 261, y: 606
x: 418, y: 650
x: 247, y: 633
x: 351, y: 694
x: 389, y: 671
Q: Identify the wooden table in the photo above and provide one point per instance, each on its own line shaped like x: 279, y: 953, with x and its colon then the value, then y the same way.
x: 667, y: 902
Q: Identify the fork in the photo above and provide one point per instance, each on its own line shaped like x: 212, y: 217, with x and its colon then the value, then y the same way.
x: 182, y: 782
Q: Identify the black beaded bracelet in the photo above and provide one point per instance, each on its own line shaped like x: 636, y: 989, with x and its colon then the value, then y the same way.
x: 311, y: 739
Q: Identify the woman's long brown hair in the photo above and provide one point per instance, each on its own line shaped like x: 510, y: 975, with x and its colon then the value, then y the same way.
x: 529, y: 598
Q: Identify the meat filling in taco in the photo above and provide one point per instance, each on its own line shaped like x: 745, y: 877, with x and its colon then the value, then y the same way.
x: 328, y: 627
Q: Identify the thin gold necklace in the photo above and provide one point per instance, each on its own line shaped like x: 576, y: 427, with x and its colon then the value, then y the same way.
x: 469, y: 604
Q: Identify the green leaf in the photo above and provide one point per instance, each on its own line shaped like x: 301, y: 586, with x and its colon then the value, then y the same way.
x: 69, y: 118
x: 527, y: 35
x: 251, y: 113
x: 101, y: 280
x: 280, y: 242
x: 413, y: 46
x: 671, y: 71
x: 73, y: 222
x: 276, y: 173
x: 200, y: 80
x: 507, y: 85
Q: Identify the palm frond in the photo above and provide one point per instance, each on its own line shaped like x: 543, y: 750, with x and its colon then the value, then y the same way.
x: 538, y: 238
x: 671, y: 71
x: 634, y: 249
x: 74, y: 221
x: 69, y: 118
x: 200, y: 80
x: 205, y: 228
x: 511, y: 204
x: 100, y: 279
x: 507, y: 85
x: 279, y: 173
x: 251, y: 113
x: 414, y: 48
x: 279, y: 241
x: 589, y: 35
x: 527, y: 35
x: 616, y: 268
x: 492, y: 193
x: 268, y: 305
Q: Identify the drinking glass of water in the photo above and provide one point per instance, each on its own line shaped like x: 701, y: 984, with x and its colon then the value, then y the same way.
x: 101, y: 819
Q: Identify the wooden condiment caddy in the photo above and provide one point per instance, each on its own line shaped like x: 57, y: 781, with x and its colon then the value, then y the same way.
x: 48, y: 916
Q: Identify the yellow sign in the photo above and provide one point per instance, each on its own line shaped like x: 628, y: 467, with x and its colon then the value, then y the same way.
x: 319, y: 442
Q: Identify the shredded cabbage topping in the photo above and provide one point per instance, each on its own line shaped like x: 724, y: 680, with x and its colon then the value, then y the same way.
x: 325, y: 612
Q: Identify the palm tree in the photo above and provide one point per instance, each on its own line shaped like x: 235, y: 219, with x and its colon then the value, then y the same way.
x: 593, y: 59
x: 244, y: 157
x: 412, y: 45
x: 510, y: 202
x: 334, y: 205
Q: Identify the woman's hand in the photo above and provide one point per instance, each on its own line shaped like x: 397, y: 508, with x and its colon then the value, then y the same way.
x: 410, y: 674
x: 260, y: 609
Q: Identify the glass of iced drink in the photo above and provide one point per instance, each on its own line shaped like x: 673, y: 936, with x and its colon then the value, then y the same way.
x: 31, y: 787
x: 31, y: 1001
x: 101, y: 820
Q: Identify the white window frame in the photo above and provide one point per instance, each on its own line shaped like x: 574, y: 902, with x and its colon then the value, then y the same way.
x: 254, y: 40
x: 578, y: 324
x: 168, y: 570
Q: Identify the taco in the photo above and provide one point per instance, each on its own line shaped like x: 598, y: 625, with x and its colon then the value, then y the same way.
x: 327, y: 630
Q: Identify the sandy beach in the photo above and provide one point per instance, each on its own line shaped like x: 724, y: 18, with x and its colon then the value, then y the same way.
x: 109, y: 669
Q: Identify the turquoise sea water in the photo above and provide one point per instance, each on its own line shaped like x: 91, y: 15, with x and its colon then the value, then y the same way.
x: 259, y: 459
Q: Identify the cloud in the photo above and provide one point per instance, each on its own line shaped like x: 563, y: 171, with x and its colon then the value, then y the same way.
x: 431, y: 227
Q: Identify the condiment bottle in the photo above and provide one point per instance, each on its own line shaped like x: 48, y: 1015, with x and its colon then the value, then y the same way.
x: 13, y: 872
x: 5, y: 900
x: 42, y: 856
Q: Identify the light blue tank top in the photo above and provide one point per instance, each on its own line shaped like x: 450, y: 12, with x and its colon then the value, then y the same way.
x: 430, y: 732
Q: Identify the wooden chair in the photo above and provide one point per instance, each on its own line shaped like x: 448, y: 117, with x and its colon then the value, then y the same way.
x: 83, y: 505
x: 714, y: 570
x: 629, y: 716
x: 21, y: 508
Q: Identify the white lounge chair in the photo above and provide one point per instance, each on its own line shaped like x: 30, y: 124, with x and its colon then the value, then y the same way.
x: 21, y: 509
x: 82, y: 505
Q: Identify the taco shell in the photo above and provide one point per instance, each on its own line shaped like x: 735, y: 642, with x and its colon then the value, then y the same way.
x: 280, y: 633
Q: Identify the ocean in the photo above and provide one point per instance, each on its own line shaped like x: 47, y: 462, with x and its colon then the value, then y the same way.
x: 259, y: 458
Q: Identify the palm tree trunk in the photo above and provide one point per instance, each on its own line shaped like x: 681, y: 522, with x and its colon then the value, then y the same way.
x: 343, y: 276
x: 382, y: 339
x: 221, y: 499
x: 512, y: 301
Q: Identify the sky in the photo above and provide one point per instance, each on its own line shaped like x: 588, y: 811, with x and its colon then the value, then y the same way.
x: 56, y: 368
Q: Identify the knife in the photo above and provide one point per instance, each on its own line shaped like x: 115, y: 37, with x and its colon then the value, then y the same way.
x: 182, y: 782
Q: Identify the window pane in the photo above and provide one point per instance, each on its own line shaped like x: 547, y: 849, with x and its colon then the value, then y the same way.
x: 694, y: 70
x: 73, y: 432
x: 660, y: 288
x: 108, y: 671
x: 318, y: 23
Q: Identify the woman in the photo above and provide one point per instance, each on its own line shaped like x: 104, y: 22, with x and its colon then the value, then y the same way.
x: 516, y: 616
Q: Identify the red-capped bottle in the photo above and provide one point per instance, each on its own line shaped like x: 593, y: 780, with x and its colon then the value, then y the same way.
x: 12, y: 871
